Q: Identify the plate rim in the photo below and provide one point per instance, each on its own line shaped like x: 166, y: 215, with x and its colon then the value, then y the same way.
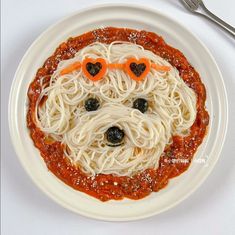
x: 14, y: 86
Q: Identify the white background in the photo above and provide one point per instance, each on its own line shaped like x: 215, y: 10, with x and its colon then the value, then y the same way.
x: 26, y: 210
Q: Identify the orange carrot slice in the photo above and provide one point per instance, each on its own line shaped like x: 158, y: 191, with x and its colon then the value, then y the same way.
x: 116, y: 66
x: 132, y: 62
x: 93, y: 62
x: 161, y: 68
x: 70, y: 68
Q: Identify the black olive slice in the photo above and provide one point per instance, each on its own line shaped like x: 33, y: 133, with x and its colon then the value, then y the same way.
x: 92, y: 104
x: 137, y: 69
x: 93, y: 69
x: 114, y: 135
x: 141, y: 104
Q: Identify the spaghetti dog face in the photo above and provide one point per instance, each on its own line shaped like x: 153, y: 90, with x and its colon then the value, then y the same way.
x: 116, y: 113
x: 115, y: 124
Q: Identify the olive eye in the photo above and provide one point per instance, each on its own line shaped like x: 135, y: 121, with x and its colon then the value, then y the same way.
x: 91, y: 104
x: 141, y: 104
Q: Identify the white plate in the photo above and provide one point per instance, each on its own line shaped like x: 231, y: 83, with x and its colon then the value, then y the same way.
x: 120, y: 15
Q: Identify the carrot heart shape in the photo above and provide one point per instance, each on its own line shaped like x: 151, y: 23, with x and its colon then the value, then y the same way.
x: 137, y: 69
x: 94, y: 69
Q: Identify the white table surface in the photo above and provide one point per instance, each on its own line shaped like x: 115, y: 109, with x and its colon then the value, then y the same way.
x: 26, y: 210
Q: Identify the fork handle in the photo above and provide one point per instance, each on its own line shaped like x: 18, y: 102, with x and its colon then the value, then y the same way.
x: 209, y: 15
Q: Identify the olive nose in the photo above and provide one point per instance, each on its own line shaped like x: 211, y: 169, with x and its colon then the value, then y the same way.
x: 115, y: 135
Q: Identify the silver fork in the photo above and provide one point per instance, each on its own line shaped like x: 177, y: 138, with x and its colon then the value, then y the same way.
x: 198, y: 7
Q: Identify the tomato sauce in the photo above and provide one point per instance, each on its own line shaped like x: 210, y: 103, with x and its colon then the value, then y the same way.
x: 175, y: 159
